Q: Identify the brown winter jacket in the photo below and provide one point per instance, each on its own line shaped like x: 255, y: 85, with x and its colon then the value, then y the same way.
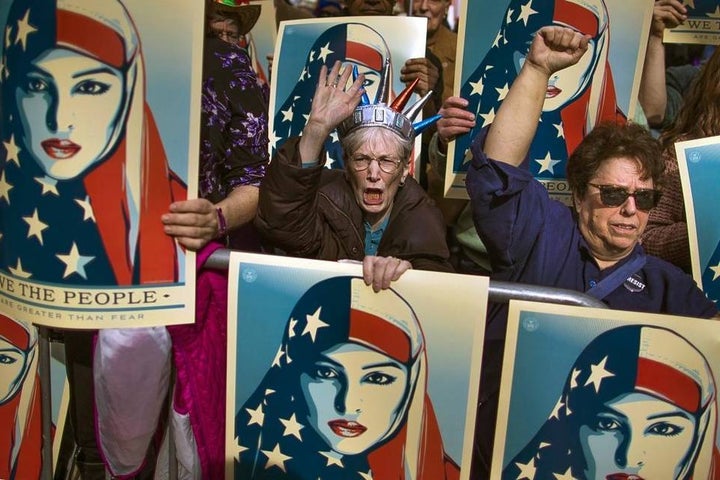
x: 312, y: 213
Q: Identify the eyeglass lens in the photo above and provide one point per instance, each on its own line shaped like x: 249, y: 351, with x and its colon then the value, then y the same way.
x: 645, y: 199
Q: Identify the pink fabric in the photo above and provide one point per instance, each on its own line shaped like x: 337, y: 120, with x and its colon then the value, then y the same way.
x: 199, y: 352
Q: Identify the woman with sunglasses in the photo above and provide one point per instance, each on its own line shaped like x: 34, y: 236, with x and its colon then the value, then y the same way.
x: 594, y: 247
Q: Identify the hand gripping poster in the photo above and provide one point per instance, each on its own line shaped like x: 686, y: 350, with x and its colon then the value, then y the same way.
x: 602, y: 86
x: 304, y: 46
x: 699, y: 166
x: 328, y: 379
x: 99, y: 127
x: 606, y: 394
x: 702, y: 25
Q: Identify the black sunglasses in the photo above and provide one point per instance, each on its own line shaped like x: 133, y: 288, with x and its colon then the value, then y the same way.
x: 614, y: 196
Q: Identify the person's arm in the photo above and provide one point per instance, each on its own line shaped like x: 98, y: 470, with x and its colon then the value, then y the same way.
x: 513, y: 129
x: 653, y: 94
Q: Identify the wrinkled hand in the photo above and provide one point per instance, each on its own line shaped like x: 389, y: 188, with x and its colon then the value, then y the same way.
x: 193, y: 223
x: 555, y: 48
x: 422, y: 69
x: 380, y: 271
x: 667, y: 14
x: 333, y: 103
x: 456, y: 120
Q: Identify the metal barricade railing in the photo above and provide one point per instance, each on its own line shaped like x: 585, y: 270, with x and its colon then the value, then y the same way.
x: 499, y: 292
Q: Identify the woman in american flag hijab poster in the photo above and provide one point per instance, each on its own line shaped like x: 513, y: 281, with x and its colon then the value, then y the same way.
x: 616, y: 396
x: 329, y: 379
x: 577, y: 98
x: 90, y: 163
x: 304, y: 46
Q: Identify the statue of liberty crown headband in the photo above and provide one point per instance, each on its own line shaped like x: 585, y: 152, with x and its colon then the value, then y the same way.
x: 392, y: 116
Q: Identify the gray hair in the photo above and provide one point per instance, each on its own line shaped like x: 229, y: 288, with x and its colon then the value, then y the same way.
x: 373, y: 135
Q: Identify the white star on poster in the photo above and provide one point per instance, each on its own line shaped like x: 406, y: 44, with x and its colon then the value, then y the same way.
x: 468, y: 156
x: 313, y: 324
x: 12, y: 150
x: 35, y: 226
x: 509, y: 15
x: 287, y: 115
x: 488, y: 117
x: 273, y: 138
x: 547, y: 164
x: 715, y: 14
x: 8, y: 34
x: 597, y: 373
x: 332, y: 458
x: 498, y: 37
x: 328, y: 160
x: 502, y: 92
x: 74, y: 262
x: 556, y: 409
x: 312, y: 56
x: 5, y: 188
x: 18, y: 271
x: 291, y: 327
x: 278, y: 356
x: 257, y: 416
x: 324, y: 52
x: 573, y: 378
x: 366, y: 476
x: 527, y: 470
x: 48, y: 186
x: 525, y: 12
x: 302, y: 74
x: 334, y: 136
x: 690, y: 3
x: 560, y: 130
x: 276, y: 458
x: 88, y: 213
x: 239, y: 449
x: 24, y: 29
x: 716, y: 271
x: 565, y: 476
x: 292, y: 427
x: 477, y: 87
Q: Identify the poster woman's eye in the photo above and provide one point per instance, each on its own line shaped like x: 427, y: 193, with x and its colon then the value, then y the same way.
x: 604, y: 424
x: 6, y: 359
x: 91, y: 87
x: 379, y: 378
x: 665, y: 429
x: 369, y: 82
x: 36, y: 85
x: 323, y: 372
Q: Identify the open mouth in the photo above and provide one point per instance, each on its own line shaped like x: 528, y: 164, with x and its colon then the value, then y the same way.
x: 60, y: 149
x: 623, y: 476
x: 373, y: 196
x: 344, y: 428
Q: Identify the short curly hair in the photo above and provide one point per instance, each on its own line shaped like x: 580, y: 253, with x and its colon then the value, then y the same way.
x: 611, y: 140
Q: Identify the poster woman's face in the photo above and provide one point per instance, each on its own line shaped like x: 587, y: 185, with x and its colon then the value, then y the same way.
x: 69, y: 105
x: 354, y: 396
x: 567, y: 84
x: 12, y: 364
x: 637, y: 434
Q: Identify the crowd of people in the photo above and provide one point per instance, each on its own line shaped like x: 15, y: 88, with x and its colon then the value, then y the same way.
x: 626, y: 219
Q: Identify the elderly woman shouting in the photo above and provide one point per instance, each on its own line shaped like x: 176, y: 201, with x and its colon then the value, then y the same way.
x: 373, y: 210
x: 593, y: 248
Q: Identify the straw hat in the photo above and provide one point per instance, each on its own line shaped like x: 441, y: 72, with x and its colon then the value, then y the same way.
x: 245, y: 13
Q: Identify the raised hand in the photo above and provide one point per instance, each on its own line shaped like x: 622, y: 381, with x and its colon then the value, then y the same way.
x: 667, y: 14
x: 555, y: 48
x: 332, y: 103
